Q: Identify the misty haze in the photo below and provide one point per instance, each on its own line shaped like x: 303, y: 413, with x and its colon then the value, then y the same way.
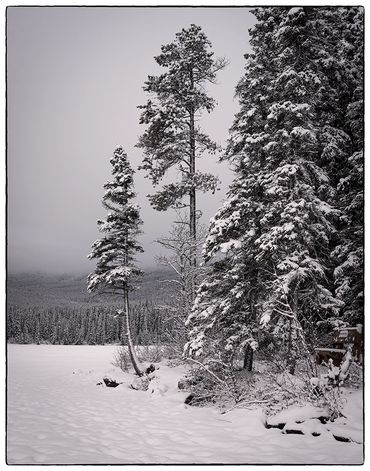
x: 75, y: 79
x: 185, y: 219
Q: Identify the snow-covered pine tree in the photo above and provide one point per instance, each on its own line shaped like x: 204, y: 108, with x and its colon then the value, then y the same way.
x: 226, y: 308
x: 172, y: 138
x: 340, y: 112
x: 115, y: 270
x: 298, y: 224
x: 278, y: 221
x: 349, y: 175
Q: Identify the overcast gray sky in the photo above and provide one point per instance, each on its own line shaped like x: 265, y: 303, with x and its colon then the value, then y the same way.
x: 74, y: 81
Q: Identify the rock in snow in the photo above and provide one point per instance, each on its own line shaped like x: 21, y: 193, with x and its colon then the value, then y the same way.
x: 297, y: 414
x: 110, y: 383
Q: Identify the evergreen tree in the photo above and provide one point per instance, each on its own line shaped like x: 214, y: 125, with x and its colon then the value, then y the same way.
x: 173, y: 139
x: 55, y: 331
x: 37, y: 331
x: 116, y: 271
x: 349, y: 178
x: 279, y: 221
x: 14, y: 324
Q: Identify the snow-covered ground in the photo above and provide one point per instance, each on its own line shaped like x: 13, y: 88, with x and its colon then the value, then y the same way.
x: 58, y: 415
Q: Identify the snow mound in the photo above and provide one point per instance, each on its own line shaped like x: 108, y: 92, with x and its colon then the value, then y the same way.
x: 308, y: 427
x: 310, y: 420
x: 297, y: 414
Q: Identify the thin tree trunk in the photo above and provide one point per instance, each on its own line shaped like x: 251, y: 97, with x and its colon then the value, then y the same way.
x: 134, y: 359
x: 192, y: 194
x: 193, y: 255
x: 291, y: 362
x: 248, y: 354
x: 291, y: 348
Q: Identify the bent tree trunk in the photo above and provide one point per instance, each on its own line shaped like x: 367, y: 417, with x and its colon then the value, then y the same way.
x: 134, y: 359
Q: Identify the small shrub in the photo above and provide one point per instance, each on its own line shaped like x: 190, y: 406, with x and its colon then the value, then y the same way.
x: 156, y: 353
x: 146, y: 354
x: 327, y: 390
x: 121, y: 359
x: 219, y: 384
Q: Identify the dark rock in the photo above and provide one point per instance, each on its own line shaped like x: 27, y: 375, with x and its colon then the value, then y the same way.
x: 292, y: 431
x: 279, y: 426
x: 315, y: 434
x: 110, y: 383
x: 150, y: 369
x: 323, y: 419
x: 341, y: 439
x: 189, y: 399
x: 99, y: 384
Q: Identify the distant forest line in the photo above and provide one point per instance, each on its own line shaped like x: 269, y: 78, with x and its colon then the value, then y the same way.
x: 58, y: 310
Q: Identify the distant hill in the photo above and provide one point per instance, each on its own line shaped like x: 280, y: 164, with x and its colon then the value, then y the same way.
x: 38, y: 289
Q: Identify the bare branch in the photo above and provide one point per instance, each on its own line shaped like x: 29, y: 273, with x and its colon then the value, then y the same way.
x: 219, y: 380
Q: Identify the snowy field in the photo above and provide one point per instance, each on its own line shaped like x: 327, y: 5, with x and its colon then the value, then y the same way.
x: 58, y: 415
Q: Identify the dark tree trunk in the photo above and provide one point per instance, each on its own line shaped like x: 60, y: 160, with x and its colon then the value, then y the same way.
x: 248, y: 358
x: 192, y: 194
x: 291, y: 366
x: 292, y: 348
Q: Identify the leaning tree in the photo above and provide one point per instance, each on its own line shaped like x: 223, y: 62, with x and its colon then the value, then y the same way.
x: 172, y: 138
x: 115, y: 270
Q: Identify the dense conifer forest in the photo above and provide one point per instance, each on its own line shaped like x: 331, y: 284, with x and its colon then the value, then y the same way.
x: 57, y: 310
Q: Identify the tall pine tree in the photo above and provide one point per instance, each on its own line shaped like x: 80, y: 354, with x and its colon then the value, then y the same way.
x: 224, y: 312
x: 116, y: 271
x: 173, y: 138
